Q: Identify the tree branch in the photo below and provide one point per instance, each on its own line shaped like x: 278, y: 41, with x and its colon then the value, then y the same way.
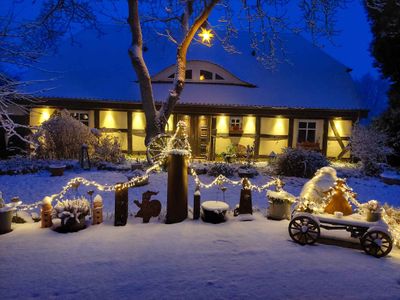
x: 179, y: 81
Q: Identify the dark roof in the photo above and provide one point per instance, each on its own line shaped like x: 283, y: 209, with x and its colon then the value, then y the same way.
x: 98, y: 67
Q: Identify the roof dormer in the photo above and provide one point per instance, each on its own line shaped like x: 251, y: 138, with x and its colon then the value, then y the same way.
x: 200, y: 71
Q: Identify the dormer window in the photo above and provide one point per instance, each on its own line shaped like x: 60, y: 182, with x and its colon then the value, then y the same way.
x: 188, y: 75
x: 201, y: 72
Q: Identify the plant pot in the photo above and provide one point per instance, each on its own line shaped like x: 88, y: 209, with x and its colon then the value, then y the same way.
x: 373, y: 216
x: 214, y: 211
x: 57, y: 170
x: 72, y: 225
x: 5, y: 221
x: 279, y: 210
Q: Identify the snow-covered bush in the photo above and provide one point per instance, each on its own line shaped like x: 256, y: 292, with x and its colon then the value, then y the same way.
x: 108, y: 149
x: 370, y: 146
x: 299, y: 162
x: 71, y: 211
x: 61, y: 137
x: 221, y: 169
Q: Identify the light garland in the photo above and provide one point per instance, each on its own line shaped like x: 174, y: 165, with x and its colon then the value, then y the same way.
x: 245, y: 182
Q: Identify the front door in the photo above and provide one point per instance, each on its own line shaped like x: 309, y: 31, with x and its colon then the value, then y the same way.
x: 203, y: 136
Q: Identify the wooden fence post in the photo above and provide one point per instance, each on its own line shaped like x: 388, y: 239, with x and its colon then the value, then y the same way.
x: 177, y: 203
x: 196, y: 204
x: 121, y: 206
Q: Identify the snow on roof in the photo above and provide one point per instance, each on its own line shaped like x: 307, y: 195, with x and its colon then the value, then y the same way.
x: 98, y: 67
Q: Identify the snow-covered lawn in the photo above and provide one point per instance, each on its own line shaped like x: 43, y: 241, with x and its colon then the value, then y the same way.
x: 233, y: 260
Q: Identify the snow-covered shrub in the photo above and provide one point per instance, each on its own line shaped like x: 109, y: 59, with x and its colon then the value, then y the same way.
x: 221, y: 169
x: 299, y: 162
x: 61, y: 137
x: 370, y: 146
x: 71, y: 211
x: 108, y: 149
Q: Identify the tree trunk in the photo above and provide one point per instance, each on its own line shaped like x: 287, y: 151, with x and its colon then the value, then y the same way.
x: 156, y: 120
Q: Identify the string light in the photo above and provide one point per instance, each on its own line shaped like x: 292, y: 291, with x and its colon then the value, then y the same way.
x: 179, y: 144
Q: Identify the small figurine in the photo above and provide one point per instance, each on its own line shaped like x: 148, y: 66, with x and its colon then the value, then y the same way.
x: 148, y: 208
x: 338, y: 200
x: 97, y: 210
x: 45, y: 212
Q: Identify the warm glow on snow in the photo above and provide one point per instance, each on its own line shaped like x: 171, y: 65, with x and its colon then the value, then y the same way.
x: 206, y: 35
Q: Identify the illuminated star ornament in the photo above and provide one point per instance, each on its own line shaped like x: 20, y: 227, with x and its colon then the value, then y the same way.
x: 206, y: 35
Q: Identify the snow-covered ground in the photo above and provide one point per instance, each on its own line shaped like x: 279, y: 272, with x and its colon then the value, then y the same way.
x: 233, y: 260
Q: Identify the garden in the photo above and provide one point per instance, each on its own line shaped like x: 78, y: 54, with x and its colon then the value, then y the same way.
x: 102, y: 216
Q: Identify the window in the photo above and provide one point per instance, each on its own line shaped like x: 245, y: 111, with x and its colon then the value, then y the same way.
x: 188, y: 75
x: 307, y: 132
x: 81, y: 116
x: 218, y: 77
x: 206, y: 75
x: 235, y: 124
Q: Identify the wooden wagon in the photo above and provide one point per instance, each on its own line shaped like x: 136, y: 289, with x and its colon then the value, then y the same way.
x: 375, y: 239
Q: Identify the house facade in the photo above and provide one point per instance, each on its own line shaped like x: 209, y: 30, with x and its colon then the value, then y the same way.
x: 308, y: 101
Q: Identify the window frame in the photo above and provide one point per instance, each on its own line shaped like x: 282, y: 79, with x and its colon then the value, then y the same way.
x: 238, y: 126
x: 307, y: 129
x: 81, y: 112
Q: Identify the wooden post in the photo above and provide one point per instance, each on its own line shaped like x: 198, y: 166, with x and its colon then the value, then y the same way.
x: 245, y: 204
x: 121, y: 207
x: 291, y: 133
x: 325, y: 137
x: 257, y: 138
x: 177, y: 202
x: 196, y: 204
x: 129, y: 137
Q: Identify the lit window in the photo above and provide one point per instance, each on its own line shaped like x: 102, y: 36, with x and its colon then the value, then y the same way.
x: 81, y: 116
x: 206, y: 75
x: 307, y: 132
x: 235, y: 124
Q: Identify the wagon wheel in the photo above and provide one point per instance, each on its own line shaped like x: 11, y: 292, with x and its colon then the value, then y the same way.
x: 156, y: 147
x: 304, y: 230
x: 376, y: 243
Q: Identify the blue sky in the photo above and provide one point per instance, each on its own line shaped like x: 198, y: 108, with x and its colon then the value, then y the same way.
x: 351, y: 45
x: 353, y: 42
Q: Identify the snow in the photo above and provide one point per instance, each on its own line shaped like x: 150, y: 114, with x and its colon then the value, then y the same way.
x: 192, y: 259
x: 311, y: 79
x: 216, y: 206
x: 282, y: 195
x: 233, y: 260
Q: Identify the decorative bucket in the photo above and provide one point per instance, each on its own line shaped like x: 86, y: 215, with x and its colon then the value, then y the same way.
x: 5, y: 221
x: 278, y: 210
x: 373, y: 216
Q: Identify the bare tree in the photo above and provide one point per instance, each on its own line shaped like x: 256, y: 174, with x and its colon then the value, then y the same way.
x: 263, y: 20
